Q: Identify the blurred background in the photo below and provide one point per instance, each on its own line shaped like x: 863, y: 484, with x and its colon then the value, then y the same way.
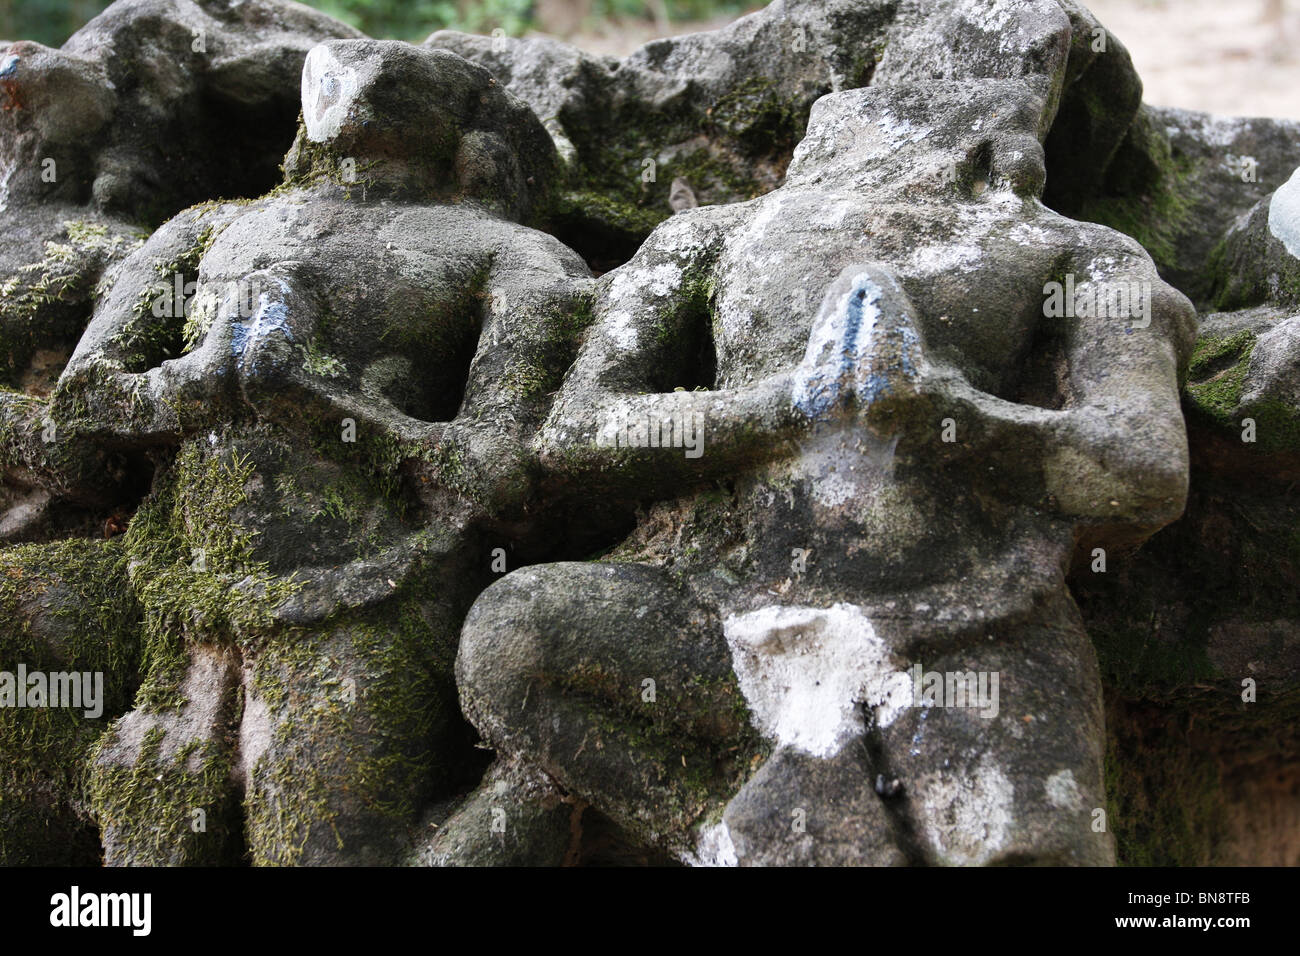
x: 1238, y: 57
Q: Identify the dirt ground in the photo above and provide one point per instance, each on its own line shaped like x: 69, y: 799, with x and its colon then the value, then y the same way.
x: 1238, y: 57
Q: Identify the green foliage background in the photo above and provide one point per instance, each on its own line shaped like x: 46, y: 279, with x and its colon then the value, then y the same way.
x: 52, y: 21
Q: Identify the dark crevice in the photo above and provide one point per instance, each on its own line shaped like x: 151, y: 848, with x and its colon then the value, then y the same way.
x: 687, y: 359
x: 52, y: 517
x: 977, y: 170
x: 602, y: 842
x: 463, y: 762
x: 602, y: 245
x: 436, y: 390
x: 589, y: 529
x: 1044, y: 373
x: 247, y: 165
x: 891, y: 791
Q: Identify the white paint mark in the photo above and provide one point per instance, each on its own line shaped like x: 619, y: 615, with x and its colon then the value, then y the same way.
x: 328, y: 88
x: 805, y: 671
x: 713, y: 847
x: 1062, y: 791
x: 967, y: 817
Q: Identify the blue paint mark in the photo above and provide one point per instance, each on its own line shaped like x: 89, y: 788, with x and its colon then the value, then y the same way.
x: 815, y: 397
x: 817, y: 394
x: 853, y: 325
x: 10, y: 65
x: 270, y: 317
x: 920, y: 729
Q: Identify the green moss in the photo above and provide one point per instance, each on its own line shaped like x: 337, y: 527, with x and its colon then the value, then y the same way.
x: 189, y: 551
x: 342, y: 500
x: 368, y: 699
x: 754, y: 114
x: 150, y: 806
x: 1215, y: 380
x: 1248, y: 267
x: 731, y: 150
x: 316, y: 362
x: 66, y: 608
x: 1158, y: 217
x: 213, y: 206
x: 374, y: 461
x: 583, y: 205
x: 683, y: 335
x: 310, y: 164
x: 1277, y: 427
x: 20, y: 415
x: 1216, y: 375
x: 338, y: 503
x: 451, y: 470
x: 43, y: 301
x: 148, y: 340
x: 448, y: 324
x: 331, y: 763
x: 541, y: 368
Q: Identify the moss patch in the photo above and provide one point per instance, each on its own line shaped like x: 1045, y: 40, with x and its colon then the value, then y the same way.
x: 1213, y: 395
x: 188, y: 551
x: 148, y: 340
x: 366, y: 729
x: 66, y: 608
x: 151, y: 804
x: 541, y: 369
x: 1217, y: 373
x: 45, y: 302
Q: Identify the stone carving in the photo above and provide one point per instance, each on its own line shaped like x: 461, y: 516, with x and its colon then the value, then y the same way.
x: 378, y: 313
x: 152, y: 106
x: 826, y: 427
x: 809, y: 358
